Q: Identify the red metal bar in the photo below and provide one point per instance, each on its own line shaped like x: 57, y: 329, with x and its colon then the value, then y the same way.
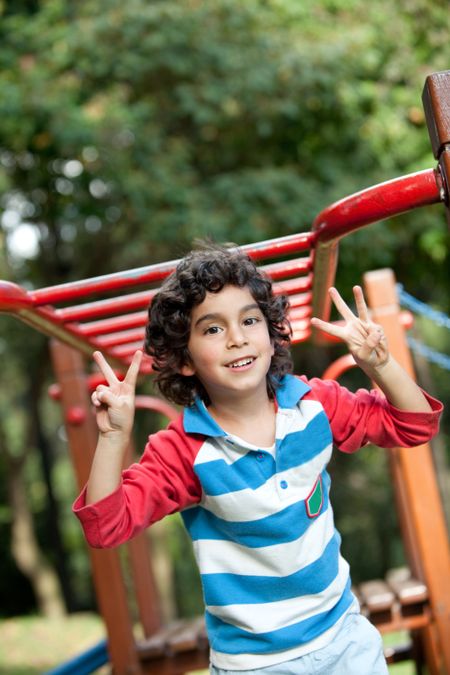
x: 121, y: 338
x: 271, y: 248
x: 293, y: 285
x: 156, y: 405
x: 301, y: 331
x: 299, y: 313
x: 102, y: 284
x: 377, y: 203
x: 339, y: 367
x: 90, y: 310
x: 125, y: 350
x: 157, y: 272
x: 299, y: 300
x: 288, y: 268
x: 358, y: 210
x: 104, y: 326
x: 13, y: 297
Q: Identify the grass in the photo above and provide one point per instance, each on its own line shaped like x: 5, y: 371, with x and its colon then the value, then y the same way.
x: 33, y: 645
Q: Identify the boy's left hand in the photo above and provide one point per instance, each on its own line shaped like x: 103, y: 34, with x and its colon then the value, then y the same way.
x: 364, y: 338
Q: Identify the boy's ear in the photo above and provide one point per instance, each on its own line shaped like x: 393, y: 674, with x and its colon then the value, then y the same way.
x: 187, y: 370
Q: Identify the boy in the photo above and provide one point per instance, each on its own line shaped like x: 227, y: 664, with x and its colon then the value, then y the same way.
x: 246, y: 464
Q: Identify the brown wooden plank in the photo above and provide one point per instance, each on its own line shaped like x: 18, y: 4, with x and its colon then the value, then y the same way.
x: 182, y: 635
x: 186, y: 636
x: 436, y: 104
x: 153, y: 646
x: 421, y: 513
x: 398, y: 654
x: 377, y: 601
x: 376, y: 595
x: 409, y: 591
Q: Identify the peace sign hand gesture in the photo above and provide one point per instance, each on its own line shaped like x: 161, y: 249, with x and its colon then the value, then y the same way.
x: 364, y: 338
x: 114, y: 403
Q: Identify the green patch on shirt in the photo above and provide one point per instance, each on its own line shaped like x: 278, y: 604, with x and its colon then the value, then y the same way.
x: 315, y: 500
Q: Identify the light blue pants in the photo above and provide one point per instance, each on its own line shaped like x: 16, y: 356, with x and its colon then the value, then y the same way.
x: 357, y: 649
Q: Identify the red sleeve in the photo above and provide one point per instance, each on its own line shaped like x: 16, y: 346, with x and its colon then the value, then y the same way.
x: 162, y: 482
x: 367, y: 417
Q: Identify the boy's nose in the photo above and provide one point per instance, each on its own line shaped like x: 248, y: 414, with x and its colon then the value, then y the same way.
x: 236, y: 337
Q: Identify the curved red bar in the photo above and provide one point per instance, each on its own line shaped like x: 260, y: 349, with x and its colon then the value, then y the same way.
x: 377, y: 203
x: 13, y: 297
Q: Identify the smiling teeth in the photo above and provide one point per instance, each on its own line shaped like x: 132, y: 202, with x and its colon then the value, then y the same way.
x: 238, y: 364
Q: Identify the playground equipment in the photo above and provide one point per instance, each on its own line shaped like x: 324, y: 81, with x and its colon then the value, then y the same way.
x: 102, y: 313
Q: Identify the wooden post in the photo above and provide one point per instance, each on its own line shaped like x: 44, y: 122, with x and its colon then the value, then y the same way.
x: 420, y: 507
x: 139, y: 552
x: 436, y: 104
x: 82, y: 436
x: 140, y: 547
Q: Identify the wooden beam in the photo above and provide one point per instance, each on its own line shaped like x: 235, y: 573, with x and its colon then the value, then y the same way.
x: 420, y: 507
x: 82, y: 434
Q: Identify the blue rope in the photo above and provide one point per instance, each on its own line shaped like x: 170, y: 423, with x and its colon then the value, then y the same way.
x: 439, y: 318
x: 408, y: 301
x: 431, y: 355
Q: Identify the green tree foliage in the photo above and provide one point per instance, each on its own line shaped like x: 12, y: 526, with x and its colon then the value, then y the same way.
x: 163, y: 121
x: 129, y: 129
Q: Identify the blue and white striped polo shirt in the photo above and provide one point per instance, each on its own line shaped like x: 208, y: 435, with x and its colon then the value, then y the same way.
x: 274, y: 582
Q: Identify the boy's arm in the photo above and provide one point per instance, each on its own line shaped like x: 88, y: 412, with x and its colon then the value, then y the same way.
x: 114, y: 406
x: 162, y: 482
x: 368, y: 345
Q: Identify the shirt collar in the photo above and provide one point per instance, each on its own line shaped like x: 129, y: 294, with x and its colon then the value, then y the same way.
x: 290, y: 390
x: 197, y: 420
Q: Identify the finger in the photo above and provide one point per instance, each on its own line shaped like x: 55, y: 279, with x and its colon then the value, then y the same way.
x: 106, y: 397
x: 95, y: 400
x: 133, y: 370
x: 327, y: 327
x: 371, y: 346
x: 105, y: 368
x: 361, y: 307
x: 342, y: 307
x: 374, y: 338
x: 381, y: 341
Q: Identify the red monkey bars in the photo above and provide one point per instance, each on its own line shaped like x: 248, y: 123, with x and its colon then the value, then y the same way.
x: 301, y: 266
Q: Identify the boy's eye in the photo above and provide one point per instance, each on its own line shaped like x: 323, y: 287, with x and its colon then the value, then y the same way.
x: 251, y: 320
x: 212, y: 330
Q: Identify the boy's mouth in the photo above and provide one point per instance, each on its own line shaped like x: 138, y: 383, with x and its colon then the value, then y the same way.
x: 240, y: 363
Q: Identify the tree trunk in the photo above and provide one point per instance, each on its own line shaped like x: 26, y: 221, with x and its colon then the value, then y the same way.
x: 52, y: 511
x: 24, y: 545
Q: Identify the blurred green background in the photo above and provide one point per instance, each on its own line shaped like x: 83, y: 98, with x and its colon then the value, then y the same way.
x: 130, y: 129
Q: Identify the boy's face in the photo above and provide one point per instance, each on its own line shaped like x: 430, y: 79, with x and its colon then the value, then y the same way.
x: 229, y: 345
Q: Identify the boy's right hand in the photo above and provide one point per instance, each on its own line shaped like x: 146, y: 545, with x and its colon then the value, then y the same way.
x: 114, y: 403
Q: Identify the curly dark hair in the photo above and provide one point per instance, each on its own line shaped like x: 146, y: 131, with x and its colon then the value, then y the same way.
x: 209, y: 269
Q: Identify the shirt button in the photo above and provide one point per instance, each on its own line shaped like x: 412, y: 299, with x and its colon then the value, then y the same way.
x: 259, y: 456
x: 283, y: 484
